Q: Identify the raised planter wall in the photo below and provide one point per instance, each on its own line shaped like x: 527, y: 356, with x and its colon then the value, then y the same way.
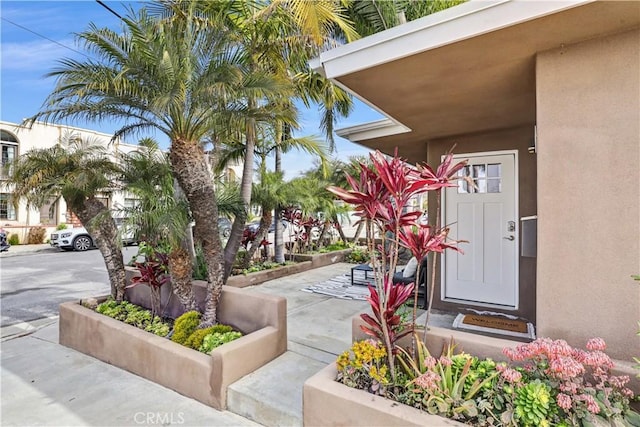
x: 321, y: 260
x: 250, y: 279
x: 326, y: 402
x: 262, y: 318
x: 329, y: 403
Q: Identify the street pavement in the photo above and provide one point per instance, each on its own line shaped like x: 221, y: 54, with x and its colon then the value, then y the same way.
x: 44, y: 383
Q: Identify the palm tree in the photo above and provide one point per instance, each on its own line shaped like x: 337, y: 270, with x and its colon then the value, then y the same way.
x: 268, y: 193
x: 78, y: 171
x: 161, y: 215
x: 175, y: 76
x: 372, y: 16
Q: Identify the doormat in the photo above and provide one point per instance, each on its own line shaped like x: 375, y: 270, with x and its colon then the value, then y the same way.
x: 340, y: 287
x: 495, y: 325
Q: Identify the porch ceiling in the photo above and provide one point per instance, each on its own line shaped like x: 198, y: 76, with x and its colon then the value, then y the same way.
x: 485, y: 81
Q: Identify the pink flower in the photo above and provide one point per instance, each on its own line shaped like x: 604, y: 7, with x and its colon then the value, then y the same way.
x: 428, y: 380
x: 511, y: 375
x: 596, y: 344
x: 565, y: 367
x: 564, y: 401
x: 445, y: 361
x: 430, y: 362
x: 597, y: 359
x: 592, y: 405
x: 569, y: 387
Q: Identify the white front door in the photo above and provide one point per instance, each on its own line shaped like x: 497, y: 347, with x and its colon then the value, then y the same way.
x: 482, y: 209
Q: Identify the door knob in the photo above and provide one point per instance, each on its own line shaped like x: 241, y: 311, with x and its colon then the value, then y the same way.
x: 512, y: 238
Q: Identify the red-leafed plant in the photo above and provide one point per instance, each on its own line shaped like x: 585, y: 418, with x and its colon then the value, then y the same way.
x: 153, y: 273
x: 380, y: 197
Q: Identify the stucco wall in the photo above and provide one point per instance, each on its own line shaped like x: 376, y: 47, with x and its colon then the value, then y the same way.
x: 588, y: 117
x: 520, y: 139
x: 40, y: 136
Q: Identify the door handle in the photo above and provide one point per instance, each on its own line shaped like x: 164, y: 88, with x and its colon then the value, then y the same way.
x: 511, y: 238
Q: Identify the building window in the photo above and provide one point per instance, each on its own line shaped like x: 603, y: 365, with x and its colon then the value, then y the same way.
x: 7, y: 211
x: 8, y: 152
x: 483, y: 178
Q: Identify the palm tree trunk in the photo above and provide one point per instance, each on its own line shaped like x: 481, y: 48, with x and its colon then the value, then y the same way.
x: 323, y: 234
x: 278, y: 237
x: 235, y: 237
x: 195, y: 178
x: 181, y: 261
x: 356, y: 235
x: 338, y: 227
x: 265, y: 223
x: 181, y: 272
x: 105, y: 235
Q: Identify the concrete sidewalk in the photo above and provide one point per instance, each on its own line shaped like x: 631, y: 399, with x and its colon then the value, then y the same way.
x: 44, y: 383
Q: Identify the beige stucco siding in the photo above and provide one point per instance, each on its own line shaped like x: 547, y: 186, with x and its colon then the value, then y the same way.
x: 588, y: 118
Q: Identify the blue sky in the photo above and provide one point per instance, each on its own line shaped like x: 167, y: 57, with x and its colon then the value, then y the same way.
x: 27, y: 57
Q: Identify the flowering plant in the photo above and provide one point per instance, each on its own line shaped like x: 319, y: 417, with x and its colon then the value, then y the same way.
x: 380, y: 196
x: 543, y: 383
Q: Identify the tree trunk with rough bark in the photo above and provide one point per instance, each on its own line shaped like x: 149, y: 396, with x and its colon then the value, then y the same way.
x: 323, y: 234
x: 338, y: 227
x: 192, y: 171
x: 181, y: 272
x: 356, y: 235
x: 278, y: 235
x: 105, y: 236
x: 181, y: 261
x: 265, y: 223
x: 235, y: 237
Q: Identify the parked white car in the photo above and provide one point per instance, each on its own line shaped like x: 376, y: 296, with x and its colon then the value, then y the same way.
x: 72, y: 238
x: 79, y: 239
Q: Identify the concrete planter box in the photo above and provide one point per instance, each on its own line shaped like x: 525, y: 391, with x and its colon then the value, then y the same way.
x: 321, y: 260
x: 244, y: 280
x: 329, y: 403
x: 262, y: 318
x: 304, y: 263
x: 326, y: 402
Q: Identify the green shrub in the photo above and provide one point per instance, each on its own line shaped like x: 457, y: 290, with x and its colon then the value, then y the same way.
x: 134, y: 315
x: 36, y: 235
x: 184, y: 326
x: 358, y: 256
x: 334, y: 247
x: 14, y: 240
x: 216, y: 339
x: 61, y: 226
x: 197, y: 337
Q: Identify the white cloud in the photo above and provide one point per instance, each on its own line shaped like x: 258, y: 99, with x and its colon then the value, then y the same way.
x: 34, y: 55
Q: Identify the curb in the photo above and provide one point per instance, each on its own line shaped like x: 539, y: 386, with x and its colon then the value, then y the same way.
x: 19, y: 252
x: 25, y: 328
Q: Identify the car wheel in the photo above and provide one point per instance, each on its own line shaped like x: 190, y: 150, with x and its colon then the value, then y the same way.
x: 82, y: 243
x: 226, y: 232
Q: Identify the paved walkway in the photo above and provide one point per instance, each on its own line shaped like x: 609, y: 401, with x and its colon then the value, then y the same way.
x: 44, y: 383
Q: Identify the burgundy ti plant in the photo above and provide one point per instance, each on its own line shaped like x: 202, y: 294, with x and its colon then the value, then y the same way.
x: 380, y: 197
x: 153, y: 273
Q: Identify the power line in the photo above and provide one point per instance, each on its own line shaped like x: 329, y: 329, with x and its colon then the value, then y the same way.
x: 44, y: 37
x: 109, y: 9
